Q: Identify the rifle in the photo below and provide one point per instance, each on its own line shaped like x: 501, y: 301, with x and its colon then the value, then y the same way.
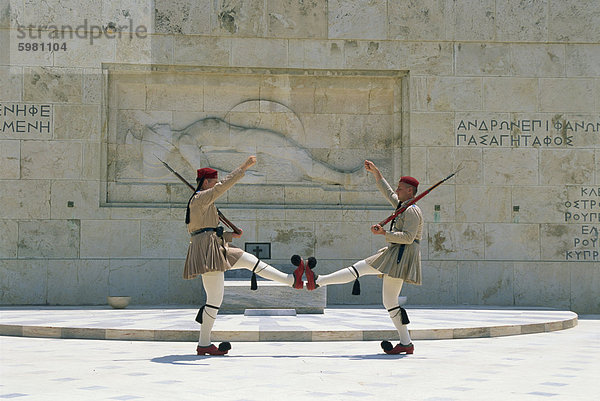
x: 416, y: 198
x: 223, y: 219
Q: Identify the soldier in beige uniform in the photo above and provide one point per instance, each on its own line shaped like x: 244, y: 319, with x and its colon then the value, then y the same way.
x: 398, y: 262
x: 210, y: 255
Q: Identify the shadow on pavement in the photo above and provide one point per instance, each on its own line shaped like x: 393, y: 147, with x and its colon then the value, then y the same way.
x: 188, y: 359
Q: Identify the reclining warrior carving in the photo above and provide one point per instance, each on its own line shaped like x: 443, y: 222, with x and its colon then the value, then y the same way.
x: 218, y: 143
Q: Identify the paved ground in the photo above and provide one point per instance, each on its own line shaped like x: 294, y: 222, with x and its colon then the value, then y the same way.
x: 557, y: 365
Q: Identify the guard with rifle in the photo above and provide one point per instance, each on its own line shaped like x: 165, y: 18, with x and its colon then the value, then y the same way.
x: 398, y: 262
x: 210, y: 255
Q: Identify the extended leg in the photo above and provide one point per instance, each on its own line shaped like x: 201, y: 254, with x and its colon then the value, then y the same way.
x: 347, y: 274
x: 249, y: 261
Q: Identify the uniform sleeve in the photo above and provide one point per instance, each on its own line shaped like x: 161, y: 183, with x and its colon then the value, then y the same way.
x: 387, y: 191
x: 211, y: 195
x: 408, y: 234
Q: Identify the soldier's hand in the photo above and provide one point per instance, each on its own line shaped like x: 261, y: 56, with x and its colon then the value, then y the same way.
x: 250, y: 161
x: 236, y: 235
x: 377, y: 229
x: 372, y: 168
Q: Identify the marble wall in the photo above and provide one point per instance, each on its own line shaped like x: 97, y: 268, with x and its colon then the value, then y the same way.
x: 509, y: 90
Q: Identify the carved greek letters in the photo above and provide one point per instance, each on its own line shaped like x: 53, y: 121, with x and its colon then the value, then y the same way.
x: 523, y: 133
x: 28, y: 119
x: 584, y: 211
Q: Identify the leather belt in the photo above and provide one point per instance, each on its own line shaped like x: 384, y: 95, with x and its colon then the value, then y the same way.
x: 218, y: 230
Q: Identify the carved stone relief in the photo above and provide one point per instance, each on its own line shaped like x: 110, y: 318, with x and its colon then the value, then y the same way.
x: 308, y: 131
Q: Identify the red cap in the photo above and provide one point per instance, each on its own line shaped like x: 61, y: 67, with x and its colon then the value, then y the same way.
x: 410, y: 181
x: 207, y: 172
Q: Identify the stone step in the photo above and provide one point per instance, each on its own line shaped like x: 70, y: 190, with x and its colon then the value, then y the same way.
x: 270, y: 312
x: 271, y: 295
x: 349, y: 323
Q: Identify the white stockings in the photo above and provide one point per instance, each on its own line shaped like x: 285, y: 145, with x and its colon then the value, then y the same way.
x: 347, y: 274
x: 214, y: 284
x: 390, y: 292
x: 248, y: 261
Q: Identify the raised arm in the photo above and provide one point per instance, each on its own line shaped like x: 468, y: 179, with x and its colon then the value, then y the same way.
x: 382, y: 184
x: 210, y: 195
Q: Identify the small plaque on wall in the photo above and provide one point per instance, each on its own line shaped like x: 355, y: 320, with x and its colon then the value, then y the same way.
x: 261, y: 250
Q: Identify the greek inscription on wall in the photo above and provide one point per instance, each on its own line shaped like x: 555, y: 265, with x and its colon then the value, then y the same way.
x: 585, y: 212
x: 555, y: 133
x: 18, y: 119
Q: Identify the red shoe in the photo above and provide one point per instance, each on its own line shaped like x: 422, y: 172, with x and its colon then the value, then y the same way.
x: 310, y: 276
x: 297, y: 261
x: 212, y: 350
x: 398, y: 349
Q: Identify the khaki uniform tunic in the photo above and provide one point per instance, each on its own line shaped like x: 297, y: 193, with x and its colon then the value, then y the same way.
x: 407, y: 228
x: 207, y: 252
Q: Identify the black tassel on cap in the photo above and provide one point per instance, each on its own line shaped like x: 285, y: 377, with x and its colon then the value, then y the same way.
x: 187, y: 210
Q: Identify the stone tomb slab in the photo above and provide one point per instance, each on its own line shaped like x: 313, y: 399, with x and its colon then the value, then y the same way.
x: 271, y: 295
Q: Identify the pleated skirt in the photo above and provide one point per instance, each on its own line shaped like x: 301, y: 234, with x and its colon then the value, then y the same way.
x: 207, y: 253
x: 409, y: 268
